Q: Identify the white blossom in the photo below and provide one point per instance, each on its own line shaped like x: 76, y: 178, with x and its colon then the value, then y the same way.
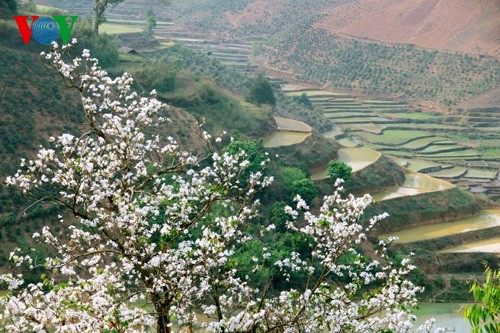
x: 150, y: 224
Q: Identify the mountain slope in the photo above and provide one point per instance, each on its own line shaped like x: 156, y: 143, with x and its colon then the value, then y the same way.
x: 470, y: 26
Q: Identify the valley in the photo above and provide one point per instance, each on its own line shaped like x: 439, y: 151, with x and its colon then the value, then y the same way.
x: 400, y: 124
x: 460, y: 147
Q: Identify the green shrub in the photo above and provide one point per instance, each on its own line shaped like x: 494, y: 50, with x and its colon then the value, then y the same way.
x: 261, y: 92
x: 305, y: 188
x: 338, y: 169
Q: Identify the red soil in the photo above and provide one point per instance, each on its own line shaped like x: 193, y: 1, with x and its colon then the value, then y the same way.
x: 471, y: 26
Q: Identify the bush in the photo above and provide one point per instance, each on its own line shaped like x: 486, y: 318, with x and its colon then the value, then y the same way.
x: 338, y: 169
x: 101, y: 46
x: 261, y: 92
x: 305, y: 188
x: 288, y: 175
x: 158, y: 76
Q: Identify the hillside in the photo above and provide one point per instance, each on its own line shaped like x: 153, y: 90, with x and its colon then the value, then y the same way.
x: 375, y: 47
x: 469, y: 26
x: 35, y: 104
x: 465, y: 25
x: 199, y: 85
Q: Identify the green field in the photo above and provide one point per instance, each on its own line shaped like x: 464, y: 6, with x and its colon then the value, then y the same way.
x: 137, y: 22
x: 412, y: 115
x: 361, y: 120
x: 419, y: 139
x: 113, y: 29
x: 312, y: 93
x: 395, y: 137
x: 421, y: 143
x: 417, y: 165
x: 481, y: 173
x: 370, y: 128
x: 458, y: 154
x: 454, y: 172
x: 441, y: 148
x: 340, y: 114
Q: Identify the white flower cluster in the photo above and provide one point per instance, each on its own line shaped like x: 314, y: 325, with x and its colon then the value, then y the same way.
x: 155, y: 227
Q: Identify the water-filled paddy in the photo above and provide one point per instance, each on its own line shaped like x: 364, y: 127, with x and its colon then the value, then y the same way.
x: 283, y: 138
x: 348, y: 142
x: 287, y: 124
x: 486, y: 219
x: 289, y: 132
x: 491, y: 245
x: 356, y: 158
x: 414, y: 184
x: 446, y: 315
x: 454, y: 172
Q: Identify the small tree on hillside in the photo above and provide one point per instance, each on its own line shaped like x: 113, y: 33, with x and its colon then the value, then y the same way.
x: 304, y: 188
x: 150, y: 21
x: 155, y: 230
x: 304, y: 100
x: 261, y: 92
x: 338, y: 169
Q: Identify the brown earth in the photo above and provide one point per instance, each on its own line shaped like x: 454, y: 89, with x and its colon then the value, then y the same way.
x: 470, y: 26
x: 487, y: 99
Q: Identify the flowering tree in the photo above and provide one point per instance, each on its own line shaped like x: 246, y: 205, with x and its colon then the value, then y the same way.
x: 154, y: 231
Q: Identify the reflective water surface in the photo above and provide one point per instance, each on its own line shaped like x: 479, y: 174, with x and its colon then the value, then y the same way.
x: 415, y: 183
x: 491, y: 245
x: 284, y: 138
x: 446, y: 315
x: 356, y: 158
x: 486, y: 219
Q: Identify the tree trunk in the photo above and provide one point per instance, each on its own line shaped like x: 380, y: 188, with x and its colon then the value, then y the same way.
x: 99, y: 9
x: 163, y: 322
x: 96, y: 26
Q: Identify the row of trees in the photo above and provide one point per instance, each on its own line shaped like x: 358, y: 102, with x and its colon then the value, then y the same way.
x: 316, y: 55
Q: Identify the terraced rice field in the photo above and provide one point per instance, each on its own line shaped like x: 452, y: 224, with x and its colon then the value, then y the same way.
x: 113, y: 29
x: 486, y: 219
x: 356, y: 158
x: 481, y: 173
x: 287, y: 124
x: 289, y: 132
x: 416, y: 165
x: 404, y: 131
x: 453, y: 172
x: 422, y: 143
x: 412, y: 115
x: 441, y: 148
x: 395, y: 137
x: 348, y: 142
x: 312, y: 93
x: 284, y: 138
x: 491, y: 245
x: 414, y: 184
